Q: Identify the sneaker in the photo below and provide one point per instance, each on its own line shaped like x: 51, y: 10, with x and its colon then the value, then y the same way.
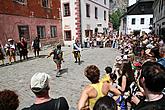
x: 75, y: 61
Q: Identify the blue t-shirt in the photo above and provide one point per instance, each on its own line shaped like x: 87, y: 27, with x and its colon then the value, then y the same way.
x: 161, y: 61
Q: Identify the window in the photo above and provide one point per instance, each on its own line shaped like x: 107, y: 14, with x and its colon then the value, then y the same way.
x: 159, y: 6
x: 45, y: 3
x: 162, y: 4
x: 96, y: 13
x: 142, y: 21
x: 21, y: 1
x: 53, y: 30
x: 67, y: 35
x: 151, y: 20
x: 41, y: 31
x: 105, y: 15
x: 24, y: 32
x: 105, y: 2
x: 87, y: 10
x: 66, y: 10
x: 133, y: 20
x: 142, y: 8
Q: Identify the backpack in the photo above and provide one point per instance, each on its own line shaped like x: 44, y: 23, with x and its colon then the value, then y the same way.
x: 57, y: 53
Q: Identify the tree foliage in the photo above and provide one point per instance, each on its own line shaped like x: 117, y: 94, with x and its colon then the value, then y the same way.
x: 115, y: 18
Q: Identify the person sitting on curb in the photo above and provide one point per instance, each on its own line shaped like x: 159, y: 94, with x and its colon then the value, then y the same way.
x: 40, y: 87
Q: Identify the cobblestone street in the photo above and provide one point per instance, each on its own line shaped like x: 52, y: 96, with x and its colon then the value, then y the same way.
x: 17, y: 76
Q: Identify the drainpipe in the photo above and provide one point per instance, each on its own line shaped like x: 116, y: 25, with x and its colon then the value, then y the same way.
x: 80, y: 24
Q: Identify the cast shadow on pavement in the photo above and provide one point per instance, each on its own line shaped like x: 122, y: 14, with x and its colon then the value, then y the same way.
x: 42, y: 56
x: 62, y: 71
x: 20, y: 61
x: 81, y: 62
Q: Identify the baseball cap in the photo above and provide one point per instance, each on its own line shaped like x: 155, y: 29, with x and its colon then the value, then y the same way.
x: 39, y: 81
x: 10, y: 40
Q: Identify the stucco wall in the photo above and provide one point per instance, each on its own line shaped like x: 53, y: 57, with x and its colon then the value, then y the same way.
x: 9, y: 28
x: 91, y: 22
x: 72, y: 22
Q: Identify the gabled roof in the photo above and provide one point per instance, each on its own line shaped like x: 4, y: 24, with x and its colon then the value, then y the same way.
x: 141, y: 7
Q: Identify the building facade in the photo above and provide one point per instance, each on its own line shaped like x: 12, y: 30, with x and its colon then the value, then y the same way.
x: 29, y: 19
x: 138, y: 19
x: 82, y: 18
x: 159, y: 17
x: 131, y: 2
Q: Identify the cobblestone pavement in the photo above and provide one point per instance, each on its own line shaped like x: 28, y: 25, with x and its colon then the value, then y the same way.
x: 17, y: 76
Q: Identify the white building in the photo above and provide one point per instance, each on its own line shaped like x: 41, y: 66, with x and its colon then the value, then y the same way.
x: 138, y: 19
x: 131, y: 2
x: 81, y: 18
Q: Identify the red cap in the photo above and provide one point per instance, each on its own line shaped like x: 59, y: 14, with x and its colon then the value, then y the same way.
x: 137, y: 64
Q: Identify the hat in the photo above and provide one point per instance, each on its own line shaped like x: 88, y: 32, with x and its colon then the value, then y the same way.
x: 125, y: 57
x: 149, y: 46
x: 39, y: 81
x: 118, y: 60
x: 9, y: 40
x: 137, y: 64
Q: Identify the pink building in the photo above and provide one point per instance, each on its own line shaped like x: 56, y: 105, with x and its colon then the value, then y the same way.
x: 30, y: 18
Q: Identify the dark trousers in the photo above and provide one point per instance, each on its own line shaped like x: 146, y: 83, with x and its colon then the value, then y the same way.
x: 36, y: 50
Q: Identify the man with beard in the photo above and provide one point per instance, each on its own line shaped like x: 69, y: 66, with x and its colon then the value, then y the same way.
x: 153, y: 82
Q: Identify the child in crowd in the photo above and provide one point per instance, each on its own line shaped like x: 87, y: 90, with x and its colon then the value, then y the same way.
x: 106, y: 77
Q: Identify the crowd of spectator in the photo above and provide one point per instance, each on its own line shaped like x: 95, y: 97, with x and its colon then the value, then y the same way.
x: 135, y: 82
x: 12, y: 48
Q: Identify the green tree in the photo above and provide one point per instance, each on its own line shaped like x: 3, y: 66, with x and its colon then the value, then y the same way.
x: 115, y: 18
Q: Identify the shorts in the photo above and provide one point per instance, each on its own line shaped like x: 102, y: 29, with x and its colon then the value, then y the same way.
x: 57, y: 61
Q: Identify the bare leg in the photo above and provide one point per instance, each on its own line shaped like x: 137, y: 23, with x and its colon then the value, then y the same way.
x: 14, y: 58
x: 9, y: 59
x: 58, y: 69
x: 3, y: 62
